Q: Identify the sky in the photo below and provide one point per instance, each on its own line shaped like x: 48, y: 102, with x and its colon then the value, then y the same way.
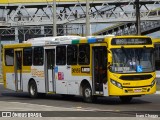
x: 155, y: 34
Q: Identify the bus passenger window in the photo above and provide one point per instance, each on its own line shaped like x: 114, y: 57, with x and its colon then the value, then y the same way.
x: 38, y: 56
x: 84, y: 54
x: 72, y: 55
x: 9, y: 57
x: 61, y: 55
x: 27, y: 56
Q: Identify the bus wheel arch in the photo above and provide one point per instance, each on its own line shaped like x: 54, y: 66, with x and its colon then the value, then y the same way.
x: 32, y: 88
x: 86, y: 91
x: 82, y: 84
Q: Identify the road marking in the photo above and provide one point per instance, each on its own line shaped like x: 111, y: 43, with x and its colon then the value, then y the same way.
x: 65, y: 108
x: 1, y: 83
x: 47, y: 106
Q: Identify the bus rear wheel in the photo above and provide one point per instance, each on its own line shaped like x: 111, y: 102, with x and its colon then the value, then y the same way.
x: 125, y: 99
x: 32, y: 89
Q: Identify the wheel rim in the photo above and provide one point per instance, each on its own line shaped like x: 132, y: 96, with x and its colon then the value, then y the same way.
x: 87, y: 92
x: 32, y: 90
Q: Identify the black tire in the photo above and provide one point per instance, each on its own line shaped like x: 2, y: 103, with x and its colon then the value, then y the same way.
x: 94, y: 99
x: 87, y: 94
x: 41, y: 95
x: 32, y: 89
x: 125, y: 99
x: 65, y: 96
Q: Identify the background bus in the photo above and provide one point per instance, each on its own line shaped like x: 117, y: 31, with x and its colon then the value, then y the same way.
x: 156, y: 42
x: 120, y: 66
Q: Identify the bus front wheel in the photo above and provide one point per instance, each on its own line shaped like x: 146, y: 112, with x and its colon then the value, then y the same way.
x: 87, y: 94
x: 32, y: 89
x: 125, y: 99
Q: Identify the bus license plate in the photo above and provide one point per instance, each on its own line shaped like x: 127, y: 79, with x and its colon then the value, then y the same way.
x: 137, y: 90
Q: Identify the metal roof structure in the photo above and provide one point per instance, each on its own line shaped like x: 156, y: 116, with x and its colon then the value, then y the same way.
x: 24, y: 18
x: 33, y: 1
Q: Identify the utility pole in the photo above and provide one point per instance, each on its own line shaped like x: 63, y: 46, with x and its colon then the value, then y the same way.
x: 138, y: 21
x: 0, y: 57
x: 54, y: 19
x: 87, y: 19
x: 82, y: 30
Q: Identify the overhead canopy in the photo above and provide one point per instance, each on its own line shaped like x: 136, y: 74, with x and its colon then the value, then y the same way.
x: 33, y: 1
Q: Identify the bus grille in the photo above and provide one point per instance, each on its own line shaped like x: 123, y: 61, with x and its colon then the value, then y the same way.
x: 136, y: 77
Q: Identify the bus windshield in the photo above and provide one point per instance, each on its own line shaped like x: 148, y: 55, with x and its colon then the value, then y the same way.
x: 132, y: 60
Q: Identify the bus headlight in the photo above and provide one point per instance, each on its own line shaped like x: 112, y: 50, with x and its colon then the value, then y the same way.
x: 119, y: 85
x: 152, y: 83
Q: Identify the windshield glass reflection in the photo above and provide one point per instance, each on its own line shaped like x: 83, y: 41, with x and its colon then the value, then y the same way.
x: 132, y: 60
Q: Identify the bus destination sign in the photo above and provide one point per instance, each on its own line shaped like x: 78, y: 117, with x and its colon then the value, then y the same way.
x: 131, y: 41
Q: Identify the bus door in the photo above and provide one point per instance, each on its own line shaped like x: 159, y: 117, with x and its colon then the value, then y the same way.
x: 18, y: 69
x: 49, y: 74
x: 99, y: 67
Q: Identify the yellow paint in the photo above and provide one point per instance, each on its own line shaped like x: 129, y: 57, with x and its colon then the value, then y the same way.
x: 20, y: 45
x: 51, y: 93
x: 10, y: 69
x: 77, y: 70
x: 56, y: 77
x: 115, y: 91
x: 83, y: 41
x: 156, y: 40
x: 36, y: 72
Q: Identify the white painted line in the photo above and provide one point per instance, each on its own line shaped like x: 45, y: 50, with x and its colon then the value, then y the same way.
x: 47, y: 106
x: 1, y: 83
x: 62, y: 108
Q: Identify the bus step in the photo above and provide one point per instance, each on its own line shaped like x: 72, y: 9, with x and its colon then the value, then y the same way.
x: 51, y: 92
x: 99, y: 92
x: 19, y: 90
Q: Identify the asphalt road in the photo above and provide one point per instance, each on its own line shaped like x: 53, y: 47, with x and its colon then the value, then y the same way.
x: 105, y: 106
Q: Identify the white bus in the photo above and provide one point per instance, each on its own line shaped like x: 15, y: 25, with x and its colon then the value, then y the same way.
x: 120, y: 66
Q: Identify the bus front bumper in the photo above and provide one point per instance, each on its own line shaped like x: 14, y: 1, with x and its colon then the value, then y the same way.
x: 127, y: 91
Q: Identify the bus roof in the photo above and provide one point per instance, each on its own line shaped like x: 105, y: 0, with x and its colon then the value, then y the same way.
x: 64, y: 40
x: 53, y: 40
x: 58, y: 40
x: 156, y: 40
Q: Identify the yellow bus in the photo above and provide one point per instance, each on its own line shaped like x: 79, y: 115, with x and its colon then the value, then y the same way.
x: 156, y: 42
x: 94, y: 66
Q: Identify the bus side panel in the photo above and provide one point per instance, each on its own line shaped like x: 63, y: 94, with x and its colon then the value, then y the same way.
x: 37, y: 73
x: 41, y: 85
x: 105, y: 89
x: 26, y: 77
x: 10, y: 81
x: 69, y: 83
x: 74, y: 84
x: 8, y: 77
x: 73, y: 88
x: 70, y: 86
